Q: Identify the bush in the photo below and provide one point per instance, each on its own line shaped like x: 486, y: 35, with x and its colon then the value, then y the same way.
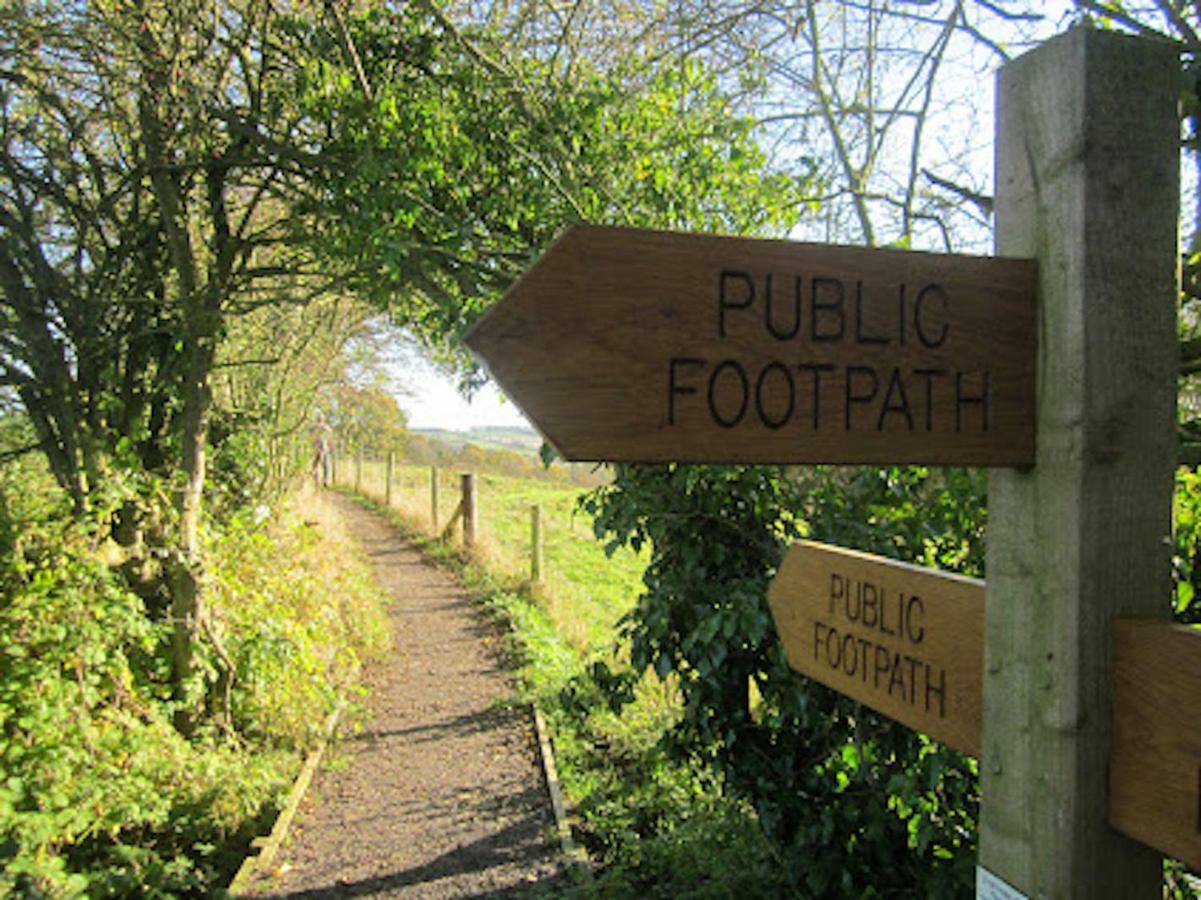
x: 99, y: 794
x: 854, y: 804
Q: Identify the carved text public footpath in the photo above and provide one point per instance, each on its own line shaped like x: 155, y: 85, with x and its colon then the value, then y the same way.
x: 809, y: 317
x: 630, y: 345
x: 847, y: 641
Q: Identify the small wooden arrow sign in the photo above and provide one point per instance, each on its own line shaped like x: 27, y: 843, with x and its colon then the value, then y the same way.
x: 643, y: 346
x: 904, y: 640
x: 1155, y: 755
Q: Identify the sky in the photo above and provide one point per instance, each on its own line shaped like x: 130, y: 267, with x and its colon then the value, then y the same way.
x: 431, y: 399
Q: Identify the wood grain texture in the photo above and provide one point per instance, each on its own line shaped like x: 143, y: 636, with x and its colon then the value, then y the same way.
x: 1155, y: 762
x: 1087, y: 182
x: 904, y: 640
x: 641, y: 346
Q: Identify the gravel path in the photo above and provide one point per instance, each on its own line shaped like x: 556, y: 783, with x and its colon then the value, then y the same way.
x: 441, y: 794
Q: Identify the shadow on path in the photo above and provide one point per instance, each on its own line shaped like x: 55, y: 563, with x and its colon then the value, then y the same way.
x: 508, y: 847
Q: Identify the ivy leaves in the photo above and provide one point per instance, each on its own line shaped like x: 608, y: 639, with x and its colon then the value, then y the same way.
x: 854, y: 803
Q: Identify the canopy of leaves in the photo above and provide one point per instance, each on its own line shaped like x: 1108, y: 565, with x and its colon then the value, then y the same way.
x: 468, y: 161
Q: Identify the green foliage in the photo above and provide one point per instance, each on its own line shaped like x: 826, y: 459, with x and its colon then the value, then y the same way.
x: 854, y: 804
x: 99, y: 793
x: 462, y: 161
x: 1186, y: 560
x: 935, y: 517
x: 298, y: 635
x: 366, y: 421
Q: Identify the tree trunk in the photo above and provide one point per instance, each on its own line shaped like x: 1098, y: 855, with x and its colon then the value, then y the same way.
x: 187, y: 593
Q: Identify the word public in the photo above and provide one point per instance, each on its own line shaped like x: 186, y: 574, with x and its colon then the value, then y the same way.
x: 849, y: 358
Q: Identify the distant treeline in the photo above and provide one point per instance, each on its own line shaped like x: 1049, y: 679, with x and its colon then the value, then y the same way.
x: 436, y: 451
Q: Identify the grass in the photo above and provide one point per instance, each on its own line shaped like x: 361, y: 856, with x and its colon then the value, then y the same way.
x: 584, y: 591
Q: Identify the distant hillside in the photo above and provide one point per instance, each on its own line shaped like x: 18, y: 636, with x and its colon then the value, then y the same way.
x: 504, y: 451
x: 518, y: 440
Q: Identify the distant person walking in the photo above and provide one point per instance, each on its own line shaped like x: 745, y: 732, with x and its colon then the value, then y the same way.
x: 320, y: 439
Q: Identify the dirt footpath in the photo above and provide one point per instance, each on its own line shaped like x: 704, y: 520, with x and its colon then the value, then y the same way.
x: 441, y: 793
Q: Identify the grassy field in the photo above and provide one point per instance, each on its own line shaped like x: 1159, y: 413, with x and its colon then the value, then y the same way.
x: 585, y: 592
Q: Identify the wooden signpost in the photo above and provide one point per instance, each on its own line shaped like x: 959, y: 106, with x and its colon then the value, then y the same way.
x: 909, y: 642
x: 901, y: 639
x: 1088, y: 184
x: 642, y: 346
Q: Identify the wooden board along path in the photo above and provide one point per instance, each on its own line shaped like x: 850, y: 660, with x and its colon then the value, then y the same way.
x: 904, y: 640
x: 642, y: 346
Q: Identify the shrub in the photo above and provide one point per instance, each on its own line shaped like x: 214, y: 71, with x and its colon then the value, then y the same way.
x: 99, y: 794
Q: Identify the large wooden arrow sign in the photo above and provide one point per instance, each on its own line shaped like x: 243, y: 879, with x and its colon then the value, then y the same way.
x: 645, y: 346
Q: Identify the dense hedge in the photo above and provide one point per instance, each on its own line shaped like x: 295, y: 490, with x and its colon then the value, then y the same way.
x: 99, y: 793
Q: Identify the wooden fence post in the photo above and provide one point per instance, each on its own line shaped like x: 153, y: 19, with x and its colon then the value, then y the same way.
x: 358, y: 470
x: 434, y: 498
x: 388, y: 479
x: 333, y: 468
x: 1087, y: 182
x: 536, y: 543
x: 469, y: 511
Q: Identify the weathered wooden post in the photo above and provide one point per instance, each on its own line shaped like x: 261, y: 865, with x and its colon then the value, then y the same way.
x: 536, y: 543
x: 358, y: 470
x: 1087, y: 183
x: 433, y: 498
x: 469, y: 511
x: 388, y: 479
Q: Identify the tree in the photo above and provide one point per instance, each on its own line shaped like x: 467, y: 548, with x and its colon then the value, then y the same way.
x: 273, y: 369
x: 166, y: 171
x: 471, y: 159
x: 149, y: 162
x: 366, y: 421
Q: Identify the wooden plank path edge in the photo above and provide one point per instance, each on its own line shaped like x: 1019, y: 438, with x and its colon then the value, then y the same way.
x: 573, y: 852
x: 257, y: 864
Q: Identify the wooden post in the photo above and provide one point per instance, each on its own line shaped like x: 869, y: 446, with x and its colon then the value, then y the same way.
x: 536, y: 543
x: 358, y: 470
x: 1087, y: 182
x: 434, y: 498
x: 469, y: 511
x: 333, y: 468
x: 388, y: 479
